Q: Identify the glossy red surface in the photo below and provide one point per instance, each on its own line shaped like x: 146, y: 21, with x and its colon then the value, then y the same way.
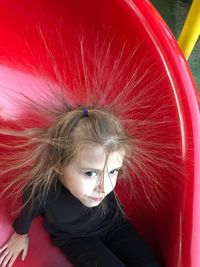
x: 174, y: 227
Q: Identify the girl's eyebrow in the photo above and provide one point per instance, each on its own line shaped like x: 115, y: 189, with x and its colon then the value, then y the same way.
x: 100, y: 170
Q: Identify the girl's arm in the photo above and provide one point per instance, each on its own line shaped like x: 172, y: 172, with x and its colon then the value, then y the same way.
x: 31, y: 210
x: 14, y: 246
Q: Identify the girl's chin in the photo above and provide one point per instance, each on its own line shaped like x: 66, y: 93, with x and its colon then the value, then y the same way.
x: 92, y: 202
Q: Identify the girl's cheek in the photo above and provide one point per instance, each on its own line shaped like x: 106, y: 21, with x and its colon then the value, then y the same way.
x: 89, y: 186
x: 110, y: 185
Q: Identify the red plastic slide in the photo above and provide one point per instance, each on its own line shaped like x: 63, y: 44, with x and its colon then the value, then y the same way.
x: 33, y: 33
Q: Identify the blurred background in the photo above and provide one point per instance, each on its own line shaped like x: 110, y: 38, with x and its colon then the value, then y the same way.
x: 174, y: 12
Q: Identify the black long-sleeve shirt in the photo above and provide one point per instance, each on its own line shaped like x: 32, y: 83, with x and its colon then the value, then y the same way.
x: 66, y: 217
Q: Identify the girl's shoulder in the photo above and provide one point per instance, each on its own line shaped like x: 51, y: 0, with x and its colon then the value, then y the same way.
x: 38, y: 197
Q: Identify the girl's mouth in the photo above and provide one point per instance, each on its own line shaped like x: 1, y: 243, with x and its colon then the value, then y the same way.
x: 96, y: 199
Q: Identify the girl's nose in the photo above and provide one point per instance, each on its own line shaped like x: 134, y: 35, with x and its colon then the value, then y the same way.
x: 100, y: 188
x: 105, y: 185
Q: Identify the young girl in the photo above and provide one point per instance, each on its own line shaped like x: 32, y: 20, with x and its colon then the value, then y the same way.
x: 76, y: 169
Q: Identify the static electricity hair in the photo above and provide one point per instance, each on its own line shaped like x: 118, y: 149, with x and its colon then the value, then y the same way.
x: 47, y: 151
x: 105, y: 102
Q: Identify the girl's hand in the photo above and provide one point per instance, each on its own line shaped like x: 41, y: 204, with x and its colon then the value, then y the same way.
x: 10, y: 251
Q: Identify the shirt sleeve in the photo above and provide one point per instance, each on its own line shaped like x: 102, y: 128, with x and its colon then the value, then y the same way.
x: 23, y: 221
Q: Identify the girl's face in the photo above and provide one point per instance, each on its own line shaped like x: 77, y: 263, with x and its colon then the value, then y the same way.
x: 91, y: 176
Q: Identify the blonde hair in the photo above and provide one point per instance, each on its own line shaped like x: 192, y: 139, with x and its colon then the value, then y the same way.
x: 120, y: 115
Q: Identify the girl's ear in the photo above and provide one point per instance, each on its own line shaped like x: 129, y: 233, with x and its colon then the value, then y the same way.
x: 57, y: 170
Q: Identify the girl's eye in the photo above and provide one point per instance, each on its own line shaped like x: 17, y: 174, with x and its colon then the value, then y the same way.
x: 114, y: 172
x: 91, y: 173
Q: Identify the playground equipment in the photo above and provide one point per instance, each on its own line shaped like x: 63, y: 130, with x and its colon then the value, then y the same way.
x: 191, y: 29
x: 173, y: 228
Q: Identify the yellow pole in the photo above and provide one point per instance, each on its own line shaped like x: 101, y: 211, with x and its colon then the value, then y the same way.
x: 191, y: 29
